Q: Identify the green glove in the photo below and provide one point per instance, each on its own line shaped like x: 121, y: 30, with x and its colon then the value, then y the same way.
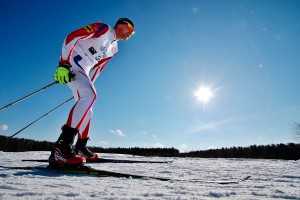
x: 63, y: 74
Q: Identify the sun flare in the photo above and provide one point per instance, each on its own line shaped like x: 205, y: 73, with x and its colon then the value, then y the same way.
x: 203, y: 94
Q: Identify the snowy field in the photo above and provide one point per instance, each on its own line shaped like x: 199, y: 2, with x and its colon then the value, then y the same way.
x: 270, y: 179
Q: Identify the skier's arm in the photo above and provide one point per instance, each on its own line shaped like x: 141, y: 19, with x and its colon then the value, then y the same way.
x: 90, y: 31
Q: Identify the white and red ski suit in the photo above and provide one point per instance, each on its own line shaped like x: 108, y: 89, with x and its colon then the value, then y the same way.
x: 88, y: 50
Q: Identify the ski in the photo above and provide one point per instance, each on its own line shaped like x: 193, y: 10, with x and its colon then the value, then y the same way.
x: 83, y: 169
x: 105, y: 160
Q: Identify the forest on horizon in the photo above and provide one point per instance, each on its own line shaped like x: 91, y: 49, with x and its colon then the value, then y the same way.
x: 290, y: 151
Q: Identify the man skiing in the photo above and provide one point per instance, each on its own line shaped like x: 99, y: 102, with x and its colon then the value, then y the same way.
x: 85, y: 53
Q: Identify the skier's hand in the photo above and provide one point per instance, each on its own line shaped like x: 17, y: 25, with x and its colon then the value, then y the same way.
x: 63, y: 74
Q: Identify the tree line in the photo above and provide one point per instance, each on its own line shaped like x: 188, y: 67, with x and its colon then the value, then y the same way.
x: 20, y: 144
x: 289, y: 151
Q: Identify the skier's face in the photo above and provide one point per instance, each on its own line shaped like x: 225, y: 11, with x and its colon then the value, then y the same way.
x: 124, y: 31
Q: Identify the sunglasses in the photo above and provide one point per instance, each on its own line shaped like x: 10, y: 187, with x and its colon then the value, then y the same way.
x: 129, y: 26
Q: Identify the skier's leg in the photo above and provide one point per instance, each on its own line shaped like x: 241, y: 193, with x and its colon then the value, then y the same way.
x: 81, y: 144
x: 81, y: 113
x: 85, y: 127
x: 85, y: 95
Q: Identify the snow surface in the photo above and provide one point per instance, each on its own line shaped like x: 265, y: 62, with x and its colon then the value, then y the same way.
x: 270, y: 179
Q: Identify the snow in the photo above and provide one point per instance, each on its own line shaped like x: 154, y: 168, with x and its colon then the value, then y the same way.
x: 270, y: 179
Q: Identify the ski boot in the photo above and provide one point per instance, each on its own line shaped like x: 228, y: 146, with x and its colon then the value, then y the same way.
x: 63, y: 153
x: 82, y: 150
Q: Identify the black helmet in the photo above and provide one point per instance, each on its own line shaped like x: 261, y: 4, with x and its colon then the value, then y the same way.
x: 124, y: 21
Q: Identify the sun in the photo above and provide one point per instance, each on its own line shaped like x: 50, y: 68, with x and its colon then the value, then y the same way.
x: 203, y: 94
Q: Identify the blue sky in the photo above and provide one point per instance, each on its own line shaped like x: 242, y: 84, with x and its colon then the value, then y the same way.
x: 247, y: 52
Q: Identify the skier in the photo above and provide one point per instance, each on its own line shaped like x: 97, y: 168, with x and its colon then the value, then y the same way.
x: 85, y: 53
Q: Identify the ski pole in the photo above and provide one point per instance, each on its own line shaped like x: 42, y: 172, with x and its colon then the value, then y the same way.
x: 43, y: 88
x: 34, y: 122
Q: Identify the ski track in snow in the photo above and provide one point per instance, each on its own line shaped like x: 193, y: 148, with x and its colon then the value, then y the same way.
x: 270, y: 179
